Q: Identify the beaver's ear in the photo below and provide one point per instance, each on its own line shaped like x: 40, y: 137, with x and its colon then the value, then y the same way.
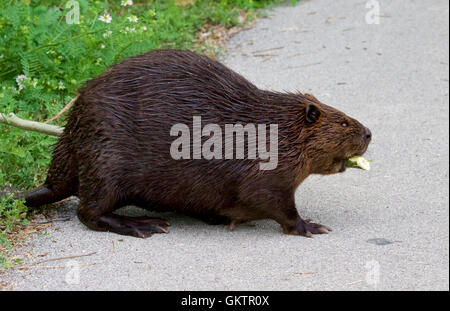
x: 312, y: 113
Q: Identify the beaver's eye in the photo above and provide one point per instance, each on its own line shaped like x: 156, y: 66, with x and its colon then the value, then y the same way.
x: 344, y: 124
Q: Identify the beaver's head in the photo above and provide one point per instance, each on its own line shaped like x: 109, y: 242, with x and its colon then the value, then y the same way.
x: 331, y: 137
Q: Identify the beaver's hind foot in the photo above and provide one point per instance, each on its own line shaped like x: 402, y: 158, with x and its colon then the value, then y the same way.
x: 140, y: 227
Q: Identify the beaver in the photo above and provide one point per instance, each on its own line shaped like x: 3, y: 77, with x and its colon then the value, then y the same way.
x: 115, y: 148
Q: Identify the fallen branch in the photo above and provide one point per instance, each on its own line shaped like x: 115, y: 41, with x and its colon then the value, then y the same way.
x: 62, y: 258
x: 13, y: 120
x: 66, y: 107
x: 37, y: 266
x: 49, y: 221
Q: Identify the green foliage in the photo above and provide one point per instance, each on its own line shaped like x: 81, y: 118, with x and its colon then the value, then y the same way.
x: 12, y: 213
x: 24, y: 157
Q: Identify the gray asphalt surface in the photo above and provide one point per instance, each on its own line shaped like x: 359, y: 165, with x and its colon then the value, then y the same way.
x: 391, y: 225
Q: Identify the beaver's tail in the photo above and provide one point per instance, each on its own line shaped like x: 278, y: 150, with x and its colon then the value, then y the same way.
x: 62, y: 177
x: 39, y: 196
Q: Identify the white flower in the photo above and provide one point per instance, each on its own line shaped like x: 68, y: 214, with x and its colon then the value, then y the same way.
x: 21, y: 77
x: 105, y: 18
x: 20, y: 80
x: 130, y: 29
x: 61, y: 85
x: 102, y: 46
x: 133, y: 18
x: 126, y: 2
x: 107, y: 34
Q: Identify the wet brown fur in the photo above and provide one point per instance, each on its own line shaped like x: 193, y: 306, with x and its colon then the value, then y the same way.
x: 115, y: 149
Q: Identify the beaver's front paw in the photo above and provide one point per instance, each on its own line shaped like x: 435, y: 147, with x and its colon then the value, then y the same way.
x: 306, y: 228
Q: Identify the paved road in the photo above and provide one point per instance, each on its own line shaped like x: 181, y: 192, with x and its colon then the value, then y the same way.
x: 391, y: 225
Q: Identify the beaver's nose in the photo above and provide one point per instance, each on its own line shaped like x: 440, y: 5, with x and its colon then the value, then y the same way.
x: 367, y: 134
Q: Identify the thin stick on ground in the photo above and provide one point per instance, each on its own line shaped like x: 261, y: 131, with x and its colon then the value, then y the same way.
x: 35, y: 265
x: 49, y: 221
x: 63, y: 258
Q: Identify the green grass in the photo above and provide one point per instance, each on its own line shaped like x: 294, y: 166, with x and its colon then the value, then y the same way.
x: 12, y: 214
x: 44, y: 60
